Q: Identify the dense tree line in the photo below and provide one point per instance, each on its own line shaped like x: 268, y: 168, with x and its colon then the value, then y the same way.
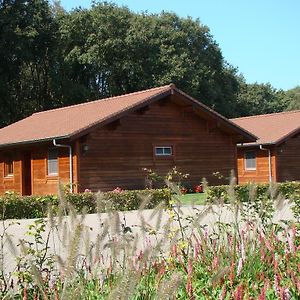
x: 52, y: 58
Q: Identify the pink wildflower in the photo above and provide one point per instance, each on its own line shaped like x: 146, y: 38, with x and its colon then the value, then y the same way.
x: 87, y: 191
x: 25, y: 294
x: 240, y: 267
x: 189, y: 287
x: 276, y: 284
x: 117, y: 190
x: 196, y: 251
x: 239, y: 293
x: 215, y: 263
x: 174, y: 250
x: 262, y: 295
x: 285, y: 294
x: 223, y: 293
x: 290, y: 239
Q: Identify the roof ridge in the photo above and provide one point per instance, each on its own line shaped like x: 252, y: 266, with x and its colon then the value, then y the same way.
x: 271, y: 114
x: 171, y: 86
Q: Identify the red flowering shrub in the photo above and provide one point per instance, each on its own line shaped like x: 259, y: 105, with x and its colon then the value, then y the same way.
x: 198, y: 188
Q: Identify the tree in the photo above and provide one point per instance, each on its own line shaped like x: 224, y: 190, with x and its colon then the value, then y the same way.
x: 255, y: 99
x: 28, y: 44
x: 292, y: 98
x: 110, y: 50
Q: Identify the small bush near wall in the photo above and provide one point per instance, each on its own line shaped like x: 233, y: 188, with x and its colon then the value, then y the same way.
x: 13, y: 206
x: 289, y: 190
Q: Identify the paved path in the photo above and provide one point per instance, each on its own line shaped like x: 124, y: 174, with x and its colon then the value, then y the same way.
x: 95, y: 229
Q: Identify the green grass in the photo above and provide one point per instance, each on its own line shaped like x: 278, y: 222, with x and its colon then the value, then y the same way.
x: 196, y: 198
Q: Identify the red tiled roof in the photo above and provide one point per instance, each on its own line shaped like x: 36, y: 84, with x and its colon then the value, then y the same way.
x: 271, y: 128
x: 72, y: 120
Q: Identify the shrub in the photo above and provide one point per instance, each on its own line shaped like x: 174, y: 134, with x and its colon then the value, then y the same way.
x: 289, y: 190
x: 13, y: 206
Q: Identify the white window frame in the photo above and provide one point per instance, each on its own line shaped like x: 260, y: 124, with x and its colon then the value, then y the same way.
x: 166, y: 151
x: 51, y: 160
x: 247, y: 158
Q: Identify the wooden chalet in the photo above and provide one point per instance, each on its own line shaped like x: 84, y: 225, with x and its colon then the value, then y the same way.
x: 276, y: 154
x: 104, y: 144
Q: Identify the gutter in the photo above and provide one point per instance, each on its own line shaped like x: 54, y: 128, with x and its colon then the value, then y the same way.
x: 70, y: 161
x: 270, y: 161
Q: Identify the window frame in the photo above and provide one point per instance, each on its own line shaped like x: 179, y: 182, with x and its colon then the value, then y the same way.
x: 52, y: 174
x: 8, y: 166
x: 246, y: 159
x: 164, y: 153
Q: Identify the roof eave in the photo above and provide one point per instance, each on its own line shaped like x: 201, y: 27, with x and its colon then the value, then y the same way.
x: 29, y: 142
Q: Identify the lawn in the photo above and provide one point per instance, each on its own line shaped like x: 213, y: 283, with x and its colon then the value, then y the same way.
x: 195, y: 198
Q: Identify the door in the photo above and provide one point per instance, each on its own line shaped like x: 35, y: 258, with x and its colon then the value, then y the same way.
x: 26, y: 173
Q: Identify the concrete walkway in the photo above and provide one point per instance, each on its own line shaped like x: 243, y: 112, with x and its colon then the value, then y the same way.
x: 96, y: 232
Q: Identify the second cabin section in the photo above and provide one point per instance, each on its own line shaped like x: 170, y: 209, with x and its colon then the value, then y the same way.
x: 275, y: 156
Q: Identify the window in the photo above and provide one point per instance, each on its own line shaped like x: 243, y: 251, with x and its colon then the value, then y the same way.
x: 250, y: 160
x: 163, y: 151
x: 52, y: 162
x: 8, y: 166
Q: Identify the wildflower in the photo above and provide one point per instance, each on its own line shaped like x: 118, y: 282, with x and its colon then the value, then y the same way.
x: 215, y: 263
x: 290, y: 239
x: 196, y: 250
x: 198, y: 188
x: 285, y: 294
x: 25, y: 294
x: 117, y: 190
x: 262, y: 295
x: 276, y: 285
x: 231, y: 275
x: 189, y: 287
x: 239, y: 293
x: 240, y: 267
x: 174, y: 250
x: 183, y: 190
x: 182, y: 245
x: 223, y: 293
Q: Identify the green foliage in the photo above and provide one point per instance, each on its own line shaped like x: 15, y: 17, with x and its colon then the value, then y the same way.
x: 248, y: 192
x: 292, y: 98
x: 184, y: 260
x: 256, y: 99
x: 13, y: 206
x: 258, y: 196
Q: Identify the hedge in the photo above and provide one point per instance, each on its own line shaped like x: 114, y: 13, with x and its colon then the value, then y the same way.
x: 13, y: 206
x: 289, y: 190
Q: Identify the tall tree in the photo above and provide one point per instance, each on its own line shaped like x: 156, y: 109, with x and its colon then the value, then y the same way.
x: 110, y: 50
x: 255, y: 99
x: 28, y: 44
x: 292, y: 98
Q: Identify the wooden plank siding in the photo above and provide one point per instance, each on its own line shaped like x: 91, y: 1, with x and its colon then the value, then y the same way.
x: 261, y: 173
x: 11, y: 183
x: 117, y: 153
x: 41, y: 182
x: 289, y: 160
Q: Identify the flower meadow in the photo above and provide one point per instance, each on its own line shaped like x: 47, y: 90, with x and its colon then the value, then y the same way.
x: 177, y: 257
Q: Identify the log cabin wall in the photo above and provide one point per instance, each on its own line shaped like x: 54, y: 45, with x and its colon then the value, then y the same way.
x: 11, y: 182
x: 118, y: 152
x: 40, y: 183
x: 261, y: 172
x: 289, y: 160
x: 44, y: 184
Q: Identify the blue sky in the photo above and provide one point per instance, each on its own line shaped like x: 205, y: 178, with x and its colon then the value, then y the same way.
x: 260, y: 37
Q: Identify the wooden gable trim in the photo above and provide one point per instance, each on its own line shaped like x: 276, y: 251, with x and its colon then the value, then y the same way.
x: 119, y: 115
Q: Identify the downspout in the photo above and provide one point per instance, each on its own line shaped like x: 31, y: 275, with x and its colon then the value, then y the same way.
x: 270, y: 161
x: 70, y: 161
